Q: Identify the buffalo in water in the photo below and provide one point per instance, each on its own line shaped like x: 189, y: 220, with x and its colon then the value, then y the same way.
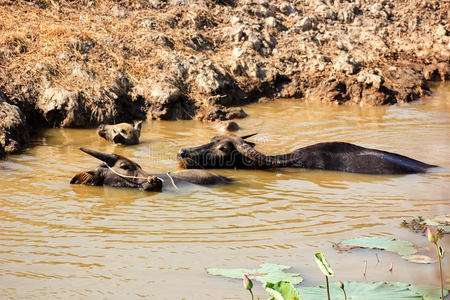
x: 122, y: 133
x: 232, y: 151
x: 119, y: 171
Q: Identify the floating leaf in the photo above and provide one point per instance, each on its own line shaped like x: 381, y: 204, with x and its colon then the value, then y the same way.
x: 323, y: 265
x: 428, y: 292
x: 282, y: 290
x: 266, y: 273
x: 371, y: 291
x: 404, y: 248
x: 420, y: 259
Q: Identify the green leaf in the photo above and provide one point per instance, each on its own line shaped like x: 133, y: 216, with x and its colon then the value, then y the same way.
x: 282, y: 290
x: 266, y: 273
x: 404, y: 248
x: 428, y: 292
x: 371, y: 291
x: 323, y: 264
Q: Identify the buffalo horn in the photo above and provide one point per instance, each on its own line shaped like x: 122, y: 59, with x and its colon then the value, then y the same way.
x: 109, y: 159
x: 247, y: 136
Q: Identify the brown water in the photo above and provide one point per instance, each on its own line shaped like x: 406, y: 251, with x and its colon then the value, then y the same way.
x: 63, y: 241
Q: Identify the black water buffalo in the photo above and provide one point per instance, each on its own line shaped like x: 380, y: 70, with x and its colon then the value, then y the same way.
x: 122, y: 133
x: 231, y: 151
x: 119, y: 171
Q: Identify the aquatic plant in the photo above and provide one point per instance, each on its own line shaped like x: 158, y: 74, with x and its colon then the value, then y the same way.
x: 248, y: 284
x: 266, y: 272
x: 282, y: 290
x: 341, y: 285
x: 404, y: 248
x: 434, y: 237
x: 324, y: 268
x: 420, y: 224
x: 355, y: 290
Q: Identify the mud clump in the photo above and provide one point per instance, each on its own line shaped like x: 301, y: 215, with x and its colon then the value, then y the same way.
x: 82, y: 63
x: 14, y: 129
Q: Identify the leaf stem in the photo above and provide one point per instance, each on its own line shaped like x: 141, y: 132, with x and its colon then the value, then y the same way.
x: 328, y: 289
x: 440, y: 270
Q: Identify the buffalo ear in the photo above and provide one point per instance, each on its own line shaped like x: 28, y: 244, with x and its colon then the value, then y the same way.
x: 251, y: 144
x: 87, y: 178
x: 138, y: 126
x: 248, y: 136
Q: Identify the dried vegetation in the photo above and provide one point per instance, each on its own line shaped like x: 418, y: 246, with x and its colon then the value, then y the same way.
x: 81, y: 63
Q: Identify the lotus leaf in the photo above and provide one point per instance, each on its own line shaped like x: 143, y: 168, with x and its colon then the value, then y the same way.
x: 372, y: 291
x: 282, y: 290
x: 404, y: 248
x: 323, y: 265
x: 266, y: 273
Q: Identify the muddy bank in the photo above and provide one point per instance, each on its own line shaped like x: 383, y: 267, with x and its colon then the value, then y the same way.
x: 78, y: 64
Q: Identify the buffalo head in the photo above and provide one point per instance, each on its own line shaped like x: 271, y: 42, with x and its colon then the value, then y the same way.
x: 123, y: 133
x: 117, y: 171
x: 225, y: 151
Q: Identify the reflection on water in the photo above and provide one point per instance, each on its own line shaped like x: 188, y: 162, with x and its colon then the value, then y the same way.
x: 59, y: 240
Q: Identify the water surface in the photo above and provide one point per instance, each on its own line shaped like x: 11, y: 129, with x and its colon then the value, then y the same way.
x: 67, y: 241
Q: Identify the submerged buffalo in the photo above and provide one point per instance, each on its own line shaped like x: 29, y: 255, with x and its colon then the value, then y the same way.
x: 231, y: 151
x: 119, y: 171
x: 123, y: 133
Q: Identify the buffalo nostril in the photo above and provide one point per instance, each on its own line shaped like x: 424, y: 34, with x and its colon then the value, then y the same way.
x: 182, y: 153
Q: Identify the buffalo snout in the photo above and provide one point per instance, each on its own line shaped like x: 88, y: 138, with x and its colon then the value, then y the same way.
x: 153, y: 184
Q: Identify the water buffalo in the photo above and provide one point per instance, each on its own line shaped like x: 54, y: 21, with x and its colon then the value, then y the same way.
x: 231, y: 151
x: 227, y: 126
x: 123, y: 133
x: 119, y: 171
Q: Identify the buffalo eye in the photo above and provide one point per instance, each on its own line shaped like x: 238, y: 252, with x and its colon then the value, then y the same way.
x: 225, y: 148
x: 124, y: 166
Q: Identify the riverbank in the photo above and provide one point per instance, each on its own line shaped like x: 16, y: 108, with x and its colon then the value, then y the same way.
x: 65, y: 64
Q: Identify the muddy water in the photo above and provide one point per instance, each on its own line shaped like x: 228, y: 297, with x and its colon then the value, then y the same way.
x: 63, y: 241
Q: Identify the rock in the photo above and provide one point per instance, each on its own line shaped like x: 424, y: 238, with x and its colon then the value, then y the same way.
x: 326, y: 12
x: 347, y: 13
x: 157, y: 4
x: 440, y: 31
x: 14, y: 129
x: 305, y: 24
x: 286, y: 8
x: 271, y: 22
x: 164, y: 101
x: 370, y: 78
x: 58, y: 106
x: 345, y: 65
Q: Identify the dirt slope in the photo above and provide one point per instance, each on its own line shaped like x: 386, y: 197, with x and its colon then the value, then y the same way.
x: 82, y: 63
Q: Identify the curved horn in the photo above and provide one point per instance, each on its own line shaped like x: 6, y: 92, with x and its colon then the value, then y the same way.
x: 109, y: 159
x: 261, y: 160
x: 247, y: 136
